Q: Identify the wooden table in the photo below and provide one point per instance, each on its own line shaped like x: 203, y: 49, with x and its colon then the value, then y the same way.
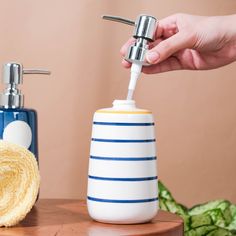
x: 69, y: 217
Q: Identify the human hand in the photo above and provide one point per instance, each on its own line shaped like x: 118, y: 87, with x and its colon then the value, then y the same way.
x: 190, y: 42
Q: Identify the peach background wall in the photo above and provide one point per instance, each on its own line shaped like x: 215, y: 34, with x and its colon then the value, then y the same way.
x: 195, y: 111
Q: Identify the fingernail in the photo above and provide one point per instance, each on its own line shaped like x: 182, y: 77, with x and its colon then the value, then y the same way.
x: 122, y: 51
x: 152, y: 56
x: 125, y: 63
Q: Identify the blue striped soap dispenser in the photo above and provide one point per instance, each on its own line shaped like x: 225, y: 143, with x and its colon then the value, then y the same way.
x: 18, y: 124
x: 122, y: 178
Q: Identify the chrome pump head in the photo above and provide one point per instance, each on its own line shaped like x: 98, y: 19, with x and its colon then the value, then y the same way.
x: 13, y: 76
x: 144, y: 32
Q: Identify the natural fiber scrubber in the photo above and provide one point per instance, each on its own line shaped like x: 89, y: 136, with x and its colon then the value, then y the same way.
x: 19, y: 183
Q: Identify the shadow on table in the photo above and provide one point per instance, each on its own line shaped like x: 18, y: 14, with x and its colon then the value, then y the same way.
x: 55, y: 212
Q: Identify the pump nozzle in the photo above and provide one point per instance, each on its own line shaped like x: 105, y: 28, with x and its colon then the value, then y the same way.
x: 13, y: 76
x: 144, y: 32
x: 118, y: 19
x: 36, y: 71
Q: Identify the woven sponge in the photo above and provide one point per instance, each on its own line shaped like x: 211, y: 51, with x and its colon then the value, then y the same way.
x: 19, y: 183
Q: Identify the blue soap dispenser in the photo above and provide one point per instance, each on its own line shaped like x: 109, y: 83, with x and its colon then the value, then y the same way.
x: 18, y: 124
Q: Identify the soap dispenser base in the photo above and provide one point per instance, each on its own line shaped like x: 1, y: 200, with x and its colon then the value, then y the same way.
x: 122, y: 213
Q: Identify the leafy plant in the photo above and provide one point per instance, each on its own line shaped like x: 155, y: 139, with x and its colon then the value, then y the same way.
x: 214, y: 218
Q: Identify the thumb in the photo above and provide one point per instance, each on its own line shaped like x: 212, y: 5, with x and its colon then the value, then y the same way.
x: 168, y: 47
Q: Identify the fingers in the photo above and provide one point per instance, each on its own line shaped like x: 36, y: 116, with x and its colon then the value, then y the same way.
x: 123, y: 51
x: 126, y: 64
x: 125, y: 47
x: 168, y: 41
x: 170, y: 64
x: 168, y: 47
x: 167, y: 27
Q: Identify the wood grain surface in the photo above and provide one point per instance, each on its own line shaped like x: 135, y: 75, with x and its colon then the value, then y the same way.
x: 57, y: 217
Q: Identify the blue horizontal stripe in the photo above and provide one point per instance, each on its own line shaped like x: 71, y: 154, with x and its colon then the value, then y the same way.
x: 122, y: 179
x: 124, y: 158
x: 122, y: 201
x: 123, y: 140
x: 122, y: 124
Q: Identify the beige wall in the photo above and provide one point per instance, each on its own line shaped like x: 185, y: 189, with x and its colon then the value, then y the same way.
x: 195, y: 111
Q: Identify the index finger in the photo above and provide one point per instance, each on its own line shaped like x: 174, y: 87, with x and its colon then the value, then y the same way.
x: 125, y: 47
x: 167, y: 27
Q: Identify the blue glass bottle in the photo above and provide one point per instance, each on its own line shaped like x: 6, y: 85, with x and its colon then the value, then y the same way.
x: 22, y: 121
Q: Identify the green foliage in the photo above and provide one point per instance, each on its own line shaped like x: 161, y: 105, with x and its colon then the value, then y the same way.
x: 214, y: 218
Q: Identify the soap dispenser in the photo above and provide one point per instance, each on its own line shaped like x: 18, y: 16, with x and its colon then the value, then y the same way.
x: 122, y: 175
x: 18, y: 124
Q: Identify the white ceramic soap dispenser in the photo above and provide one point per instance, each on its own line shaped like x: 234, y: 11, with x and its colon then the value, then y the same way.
x: 122, y: 178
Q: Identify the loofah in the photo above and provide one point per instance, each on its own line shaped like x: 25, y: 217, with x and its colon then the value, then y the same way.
x: 19, y: 183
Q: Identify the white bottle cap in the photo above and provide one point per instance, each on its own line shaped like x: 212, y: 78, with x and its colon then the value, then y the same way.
x: 124, y: 104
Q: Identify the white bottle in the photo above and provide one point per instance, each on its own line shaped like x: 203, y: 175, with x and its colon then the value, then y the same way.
x: 122, y: 179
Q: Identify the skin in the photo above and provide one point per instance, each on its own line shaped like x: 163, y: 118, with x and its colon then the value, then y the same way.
x: 189, y: 42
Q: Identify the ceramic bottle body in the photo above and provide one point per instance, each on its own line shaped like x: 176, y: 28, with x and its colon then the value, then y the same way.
x: 122, y: 181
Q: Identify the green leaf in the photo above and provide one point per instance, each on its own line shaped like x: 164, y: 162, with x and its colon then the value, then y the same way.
x: 164, y: 192
x: 200, y: 231
x: 187, y: 222
x: 220, y: 232
x: 175, y: 207
x: 162, y: 204
x: 217, y: 217
x: 201, y: 208
x: 233, y: 210
x: 200, y: 220
x: 214, y: 218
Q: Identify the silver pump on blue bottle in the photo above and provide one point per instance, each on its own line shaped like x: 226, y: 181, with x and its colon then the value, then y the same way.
x: 13, y: 76
x: 144, y: 32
